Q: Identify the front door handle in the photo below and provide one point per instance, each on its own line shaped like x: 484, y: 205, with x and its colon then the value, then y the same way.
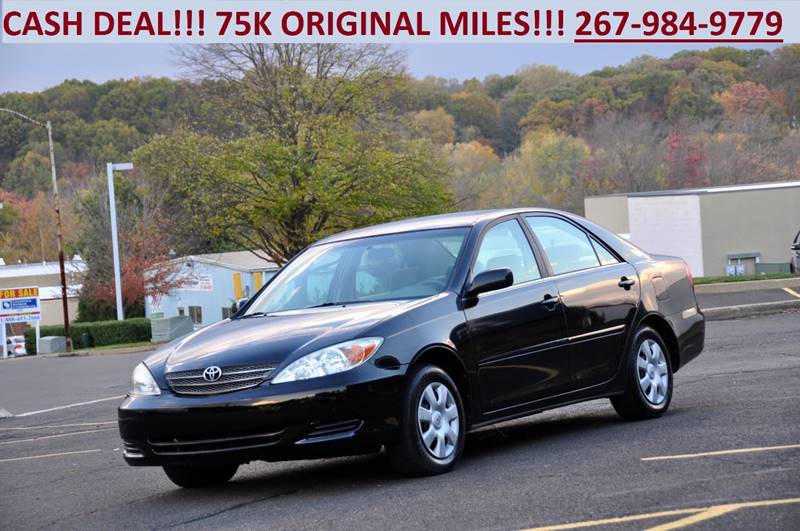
x: 626, y: 283
x: 550, y: 302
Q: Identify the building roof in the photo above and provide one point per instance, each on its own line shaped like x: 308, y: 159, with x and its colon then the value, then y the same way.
x: 23, y: 271
x: 54, y: 292
x: 710, y: 190
x: 241, y: 260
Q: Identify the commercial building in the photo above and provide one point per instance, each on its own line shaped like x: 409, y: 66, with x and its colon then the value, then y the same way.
x: 726, y: 230
x: 47, y: 277
x: 210, y: 284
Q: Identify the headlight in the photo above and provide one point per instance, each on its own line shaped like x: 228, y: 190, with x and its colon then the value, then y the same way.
x: 330, y: 360
x: 143, y: 382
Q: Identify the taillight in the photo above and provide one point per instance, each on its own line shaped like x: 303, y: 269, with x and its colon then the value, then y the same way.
x: 689, y: 275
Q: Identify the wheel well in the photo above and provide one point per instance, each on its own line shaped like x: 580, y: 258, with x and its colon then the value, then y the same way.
x: 449, y: 362
x: 660, y: 325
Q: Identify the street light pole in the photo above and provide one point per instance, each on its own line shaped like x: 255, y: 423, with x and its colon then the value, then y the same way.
x: 49, y: 128
x: 112, y: 206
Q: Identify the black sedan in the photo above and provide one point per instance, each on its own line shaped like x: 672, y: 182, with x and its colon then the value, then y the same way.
x: 407, y: 335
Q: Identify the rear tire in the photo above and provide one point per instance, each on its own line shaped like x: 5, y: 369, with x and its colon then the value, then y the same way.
x: 201, y: 475
x: 433, y: 426
x: 648, y: 385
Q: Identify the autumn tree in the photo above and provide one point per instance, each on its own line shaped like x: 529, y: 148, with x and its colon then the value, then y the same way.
x: 473, y: 169
x: 27, y: 228
x: 547, y: 170
x: 627, y: 153
x: 437, y: 125
x: 144, y: 266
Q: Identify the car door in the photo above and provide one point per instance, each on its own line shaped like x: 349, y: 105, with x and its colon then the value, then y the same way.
x: 599, y: 292
x: 519, y: 332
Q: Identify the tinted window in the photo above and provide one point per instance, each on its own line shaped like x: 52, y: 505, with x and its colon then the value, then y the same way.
x: 606, y: 258
x: 505, y: 246
x: 567, y: 247
x: 393, y: 267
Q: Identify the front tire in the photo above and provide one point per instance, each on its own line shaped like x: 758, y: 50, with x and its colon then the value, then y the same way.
x: 433, y: 427
x: 648, y: 385
x: 201, y: 475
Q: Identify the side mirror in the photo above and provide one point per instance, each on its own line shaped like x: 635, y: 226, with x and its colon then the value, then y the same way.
x: 238, y: 305
x: 491, y: 280
x: 796, y: 247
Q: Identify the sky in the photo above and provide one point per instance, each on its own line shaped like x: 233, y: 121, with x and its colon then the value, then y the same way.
x: 33, y: 67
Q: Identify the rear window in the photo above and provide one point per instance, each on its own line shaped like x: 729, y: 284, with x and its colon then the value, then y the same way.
x: 567, y: 247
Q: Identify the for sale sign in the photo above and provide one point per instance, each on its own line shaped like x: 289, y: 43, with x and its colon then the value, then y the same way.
x: 19, y: 305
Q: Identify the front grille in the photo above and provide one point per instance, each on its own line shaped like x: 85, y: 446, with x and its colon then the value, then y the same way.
x: 216, y: 445
x: 232, y: 379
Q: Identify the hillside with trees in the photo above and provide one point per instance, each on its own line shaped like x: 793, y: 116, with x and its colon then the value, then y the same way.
x: 272, y: 147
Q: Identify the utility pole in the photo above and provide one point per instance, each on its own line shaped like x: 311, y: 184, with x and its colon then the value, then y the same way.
x: 49, y: 128
x: 64, y: 305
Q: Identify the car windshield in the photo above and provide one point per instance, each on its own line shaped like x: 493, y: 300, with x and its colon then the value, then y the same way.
x: 402, y: 266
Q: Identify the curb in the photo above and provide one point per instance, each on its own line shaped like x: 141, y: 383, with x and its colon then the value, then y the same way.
x: 747, y: 285
x: 107, y: 352
x: 748, y: 310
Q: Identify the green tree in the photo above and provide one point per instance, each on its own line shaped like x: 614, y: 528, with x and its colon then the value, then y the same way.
x: 473, y: 109
x: 30, y: 172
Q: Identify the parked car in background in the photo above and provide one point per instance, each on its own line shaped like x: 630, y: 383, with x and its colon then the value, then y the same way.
x: 407, y: 335
x: 15, y: 346
x: 794, y: 261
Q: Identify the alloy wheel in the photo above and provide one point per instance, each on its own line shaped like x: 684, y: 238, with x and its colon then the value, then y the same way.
x: 653, y: 372
x: 437, y: 420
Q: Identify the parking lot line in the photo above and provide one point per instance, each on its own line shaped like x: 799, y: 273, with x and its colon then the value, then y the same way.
x: 695, y: 515
x: 77, y: 404
x: 792, y: 292
x: 54, y: 426
x: 56, y: 436
x: 719, y: 510
x: 50, y: 455
x: 616, y: 520
x: 721, y: 452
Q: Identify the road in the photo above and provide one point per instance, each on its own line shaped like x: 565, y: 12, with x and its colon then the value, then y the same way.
x: 63, y: 468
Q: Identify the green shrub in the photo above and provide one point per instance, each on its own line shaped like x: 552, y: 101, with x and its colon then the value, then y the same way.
x: 101, y: 333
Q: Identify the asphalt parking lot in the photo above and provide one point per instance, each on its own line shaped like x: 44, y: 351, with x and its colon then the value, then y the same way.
x: 715, y: 300
x: 727, y: 455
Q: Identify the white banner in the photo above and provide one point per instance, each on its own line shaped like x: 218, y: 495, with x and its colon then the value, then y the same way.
x: 428, y: 21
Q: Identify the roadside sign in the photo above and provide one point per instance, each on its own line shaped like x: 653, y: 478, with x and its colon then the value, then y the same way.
x: 19, y: 305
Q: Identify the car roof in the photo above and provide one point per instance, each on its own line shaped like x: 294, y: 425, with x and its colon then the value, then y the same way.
x: 440, y: 221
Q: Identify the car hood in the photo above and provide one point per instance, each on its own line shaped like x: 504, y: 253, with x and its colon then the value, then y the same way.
x: 272, y: 338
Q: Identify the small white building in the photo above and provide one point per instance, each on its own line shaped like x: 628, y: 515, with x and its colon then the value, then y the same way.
x: 210, y: 284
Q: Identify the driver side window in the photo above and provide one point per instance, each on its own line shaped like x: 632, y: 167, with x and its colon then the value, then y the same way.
x: 505, y: 246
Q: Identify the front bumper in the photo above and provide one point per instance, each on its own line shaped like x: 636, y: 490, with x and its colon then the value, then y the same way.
x: 336, y: 415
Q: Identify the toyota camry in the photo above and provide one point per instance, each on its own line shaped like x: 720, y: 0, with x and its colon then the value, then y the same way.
x: 405, y: 336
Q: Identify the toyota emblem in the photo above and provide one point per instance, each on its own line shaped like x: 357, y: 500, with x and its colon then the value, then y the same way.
x: 212, y: 374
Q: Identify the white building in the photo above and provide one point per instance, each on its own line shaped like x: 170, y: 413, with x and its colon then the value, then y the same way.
x: 743, y: 229
x: 211, y: 283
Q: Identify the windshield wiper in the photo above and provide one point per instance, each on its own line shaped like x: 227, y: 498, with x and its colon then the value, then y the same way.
x: 254, y: 314
x: 326, y: 304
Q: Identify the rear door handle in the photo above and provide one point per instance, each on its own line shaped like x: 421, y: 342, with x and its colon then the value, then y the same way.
x: 550, y: 302
x: 626, y: 283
